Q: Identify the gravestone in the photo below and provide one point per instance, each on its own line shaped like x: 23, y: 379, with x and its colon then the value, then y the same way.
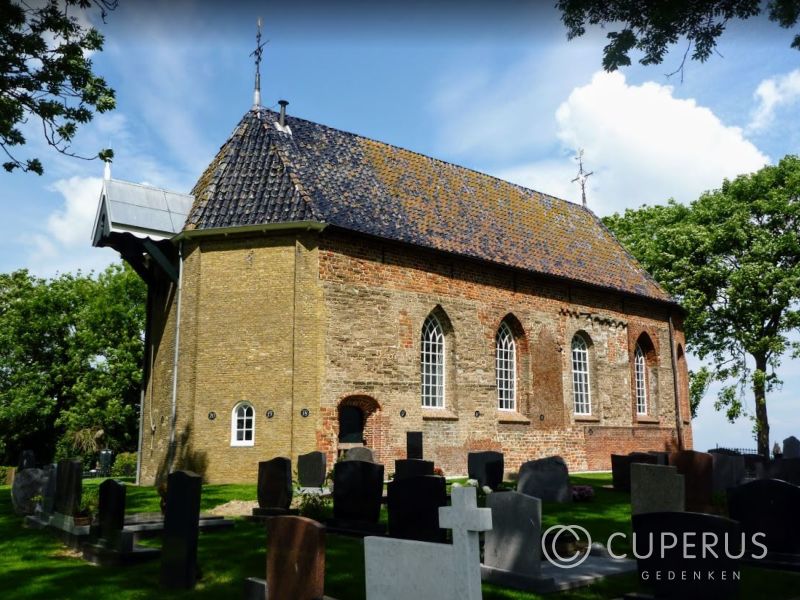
x: 27, y: 460
x: 621, y: 468
x: 49, y: 489
x: 412, y: 467
x: 413, y: 506
x: 407, y: 569
x: 697, y: 469
x: 414, y: 445
x: 656, y: 488
x: 181, y: 520
x: 311, y: 469
x: 106, y: 460
x: 274, y: 487
x: 357, y: 494
x: 361, y: 453
x: 512, y: 548
x: 662, y: 458
x: 69, y: 485
x: 728, y: 470
x: 546, y: 479
x: 111, y: 509
x: 769, y: 506
x: 791, y: 447
x: 486, y: 467
x: 295, y: 561
x: 27, y: 485
x: 786, y: 469
x: 754, y: 465
x: 655, y: 567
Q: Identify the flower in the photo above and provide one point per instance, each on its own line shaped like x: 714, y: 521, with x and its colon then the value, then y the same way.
x: 472, y: 482
x: 487, y: 489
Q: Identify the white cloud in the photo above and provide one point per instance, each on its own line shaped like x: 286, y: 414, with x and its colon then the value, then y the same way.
x: 64, y: 243
x: 772, y: 94
x: 643, y: 144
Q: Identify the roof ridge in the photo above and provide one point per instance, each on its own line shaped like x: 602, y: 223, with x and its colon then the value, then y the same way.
x: 437, y: 160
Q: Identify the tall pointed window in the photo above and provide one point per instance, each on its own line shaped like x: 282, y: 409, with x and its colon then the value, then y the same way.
x: 432, y: 363
x: 506, y: 368
x: 640, y: 380
x: 581, y: 397
x: 242, y: 425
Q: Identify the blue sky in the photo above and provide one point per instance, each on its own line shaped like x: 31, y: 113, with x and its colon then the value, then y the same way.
x: 493, y: 86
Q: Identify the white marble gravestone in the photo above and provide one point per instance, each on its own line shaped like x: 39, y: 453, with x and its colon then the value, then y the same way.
x: 403, y: 569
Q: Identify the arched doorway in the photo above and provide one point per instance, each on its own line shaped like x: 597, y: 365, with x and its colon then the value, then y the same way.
x: 351, y: 425
x: 358, y: 422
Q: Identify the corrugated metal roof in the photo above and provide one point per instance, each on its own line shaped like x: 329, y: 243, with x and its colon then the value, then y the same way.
x: 141, y: 210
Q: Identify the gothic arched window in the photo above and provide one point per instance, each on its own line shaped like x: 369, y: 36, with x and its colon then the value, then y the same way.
x: 581, y: 395
x: 506, y: 368
x: 432, y: 363
x: 640, y: 380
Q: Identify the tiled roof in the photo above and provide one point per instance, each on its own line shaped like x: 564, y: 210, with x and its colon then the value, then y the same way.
x: 317, y: 173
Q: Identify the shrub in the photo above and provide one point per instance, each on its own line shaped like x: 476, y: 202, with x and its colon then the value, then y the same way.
x: 4, y: 474
x: 314, y: 506
x: 90, y: 501
x: 124, y: 465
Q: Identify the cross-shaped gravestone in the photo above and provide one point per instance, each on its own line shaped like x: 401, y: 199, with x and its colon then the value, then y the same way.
x: 466, y: 520
x: 402, y: 569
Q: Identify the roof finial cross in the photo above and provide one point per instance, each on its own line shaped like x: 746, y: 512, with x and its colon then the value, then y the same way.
x: 582, y: 176
x: 257, y: 55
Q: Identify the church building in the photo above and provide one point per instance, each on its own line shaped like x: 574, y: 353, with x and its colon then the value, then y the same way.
x: 320, y: 290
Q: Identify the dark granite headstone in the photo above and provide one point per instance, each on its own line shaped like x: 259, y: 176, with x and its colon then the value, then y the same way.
x: 728, y: 470
x: 621, y: 468
x: 546, y: 479
x: 360, y: 453
x: 181, y: 524
x: 697, y: 469
x: 69, y: 485
x: 413, y: 505
x: 411, y: 467
x: 662, y: 458
x: 27, y: 485
x: 311, y: 469
x: 662, y: 569
x: 512, y: 549
x: 274, y: 487
x: 791, y: 447
x: 357, y: 494
x: 486, y: 467
x: 295, y: 559
x: 768, y: 506
x: 49, y: 489
x: 27, y: 460
x: 754, y: 465
x: 414, y: 444
x: 787, y: 469
x: 106, y: 460
x: 111, y: 508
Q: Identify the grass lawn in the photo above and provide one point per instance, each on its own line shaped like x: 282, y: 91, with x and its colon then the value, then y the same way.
x: 34, y: 565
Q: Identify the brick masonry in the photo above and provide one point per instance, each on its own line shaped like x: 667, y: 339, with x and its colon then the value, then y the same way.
x: 294, y: 321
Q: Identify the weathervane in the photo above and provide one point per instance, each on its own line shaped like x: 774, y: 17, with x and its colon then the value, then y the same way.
x: 582, y: 177
x: 257, y: 54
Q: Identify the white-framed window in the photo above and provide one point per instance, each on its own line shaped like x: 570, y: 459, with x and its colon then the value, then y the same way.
x: 581, y: 396
x: 506, y: 368
x: 432, y: 363
x: 243, y: 425
x: 640, y: 380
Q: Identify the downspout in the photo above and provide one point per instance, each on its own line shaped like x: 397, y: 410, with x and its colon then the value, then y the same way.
x: 171, y: 450
x: 675, y: 385
x: 146, y: 373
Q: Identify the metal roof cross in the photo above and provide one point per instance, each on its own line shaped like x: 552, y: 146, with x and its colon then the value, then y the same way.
x: 582, y: 177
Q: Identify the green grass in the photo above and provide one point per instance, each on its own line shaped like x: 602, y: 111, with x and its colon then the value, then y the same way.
x: 33, y: 564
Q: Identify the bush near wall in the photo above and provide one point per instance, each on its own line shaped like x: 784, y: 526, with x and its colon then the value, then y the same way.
x: 124, y: 465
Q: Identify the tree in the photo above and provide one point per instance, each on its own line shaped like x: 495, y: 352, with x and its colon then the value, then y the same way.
x: 71, y: 351
x: 652, y: 27
x: 46, y: 74
x: 732, y: 258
